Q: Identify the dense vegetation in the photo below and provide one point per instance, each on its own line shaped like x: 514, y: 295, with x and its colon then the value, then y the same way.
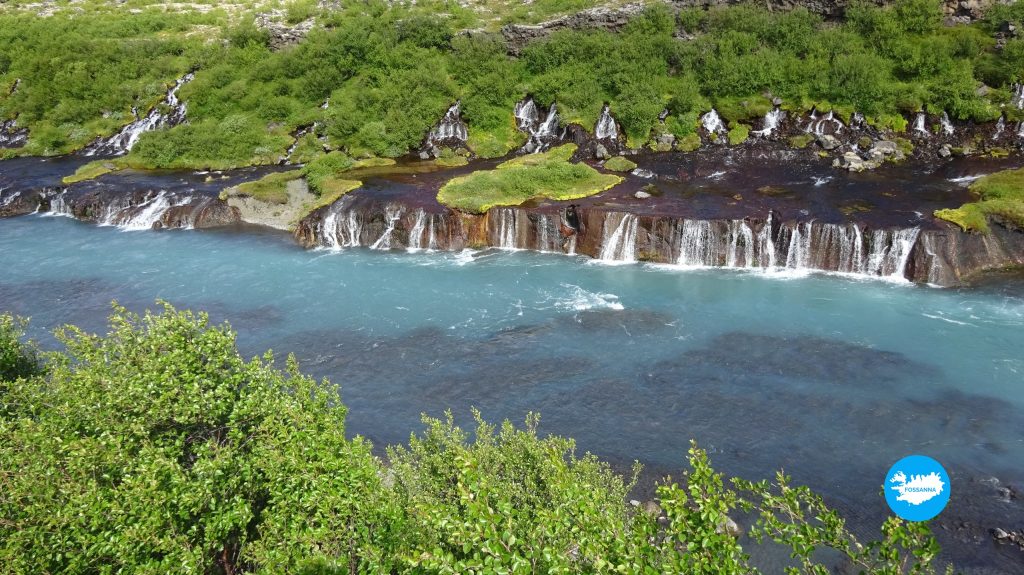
x: 389, y: 72
x: 1000, y: 195
x: 156, y: 448
x: 540, y: 176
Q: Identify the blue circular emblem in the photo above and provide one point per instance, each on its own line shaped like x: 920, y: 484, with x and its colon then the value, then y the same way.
x: 917, y: 488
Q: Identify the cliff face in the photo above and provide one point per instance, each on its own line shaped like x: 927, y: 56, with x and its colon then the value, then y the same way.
x: 518, y: 35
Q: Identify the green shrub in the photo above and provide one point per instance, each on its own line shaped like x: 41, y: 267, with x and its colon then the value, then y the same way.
x: 18, y: 359
x: 156, y: 448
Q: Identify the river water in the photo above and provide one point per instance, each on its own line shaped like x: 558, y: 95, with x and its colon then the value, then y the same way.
x: 830, y: 378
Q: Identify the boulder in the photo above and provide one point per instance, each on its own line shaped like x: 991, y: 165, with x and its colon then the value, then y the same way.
x: 601, y: 152
x: 828, y: 141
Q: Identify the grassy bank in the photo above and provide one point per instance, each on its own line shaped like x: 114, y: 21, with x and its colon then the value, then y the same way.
x: 157, y: 448
x: 1000, y: 195
x: 541, y: 176
x: 390, y: 72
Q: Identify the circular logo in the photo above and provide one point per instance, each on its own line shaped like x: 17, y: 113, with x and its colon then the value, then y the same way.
x: 917, y: 488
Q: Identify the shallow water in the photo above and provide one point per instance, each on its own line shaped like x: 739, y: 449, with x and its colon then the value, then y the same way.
x: 831, y: 378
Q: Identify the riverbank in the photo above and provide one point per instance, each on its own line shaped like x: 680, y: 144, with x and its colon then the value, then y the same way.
x: 761, y: 208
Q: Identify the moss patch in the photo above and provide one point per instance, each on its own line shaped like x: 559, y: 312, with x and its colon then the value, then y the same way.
x: 801, y: 141
x: 272, y: 188
x: 93, y: 170
x: 688, y: 143
x: 333, y: 188
x: 547, y: 175
x: 619, y: 164
x: 738, y: 134
x: 1000, y: 194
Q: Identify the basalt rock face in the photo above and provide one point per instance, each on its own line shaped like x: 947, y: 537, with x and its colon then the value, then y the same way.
x: 936, y: 255
x: 519, y: 35
x: 139, y: 210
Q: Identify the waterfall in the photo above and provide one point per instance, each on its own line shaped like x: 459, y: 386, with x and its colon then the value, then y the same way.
x: 1000, y: 127
x: 766, y: 243
x: 123, y: 141
x: 450, y: 128
x: 149, y: 212
x: 392, y: 214
x: 620, y: 245
x: 857, y: 121
x: 526, y: 114
x: 543, y: 222
x: 340, y: 227
x: 798, y: 256
x: 827, y: 124
x: 59, y: 206
x: 947, y: 126
x: 11, y: 136
x: 919, y: 123
x: 772, y: 120
x: 431, y: 235
x: 696, y: 245
x: 713, y: 123
x: 1017, y: 101
x: 934, y: 260
x: 1020, y: 130
x: 740, y: 235
x: 508, y: 222
x: 7, y: 200
x: 542, y: 133
x: 416, y: 233
x: 606, y: 129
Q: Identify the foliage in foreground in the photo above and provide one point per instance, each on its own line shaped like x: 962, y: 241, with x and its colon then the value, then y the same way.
x: 1000, y: 195
x: 158, y: 449
x: 548, y: 175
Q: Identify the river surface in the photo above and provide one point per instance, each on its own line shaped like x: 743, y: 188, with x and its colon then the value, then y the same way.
x: 831, y: 378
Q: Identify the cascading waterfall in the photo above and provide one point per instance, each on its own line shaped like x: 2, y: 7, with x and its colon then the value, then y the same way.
x: 542, y: 133
x: 919, y: 126
x: 772, y: 120
x: 543, y: 223
x: 947, y: 126
x: 450, y: 129
x: 147, y: 213
x: 713, y: 123
x: 508, y: 230
x: 802, y: 246
x: 123, y: 141
x: 416, y: 233
x: 827, y: 124
x: 9, y: 199
x: 740, y: 237
x: 340, y: 227
x: 606, y: 128
x: 59, y: 206
x: 1000, y: 127
x: 1017, y: 101
x: 11, y: 136
x: 620, y: 244
x: 392, y: 214
x: 696, y: 246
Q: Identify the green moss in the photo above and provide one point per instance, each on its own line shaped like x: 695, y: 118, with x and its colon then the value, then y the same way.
x: 904, y: 145
x: 688, y: 143
x: 894, y: 122
x: 324, y: 168
x: 332, y: 189
x: 738, y: 134
x: 451, y: 162
x: 801, y: 141
x: 547, y: 175
x: 619, y: 164
x: 1000, y: 194
x: 970, y: 217
x: 272, y: 188
x: 93, y: 170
